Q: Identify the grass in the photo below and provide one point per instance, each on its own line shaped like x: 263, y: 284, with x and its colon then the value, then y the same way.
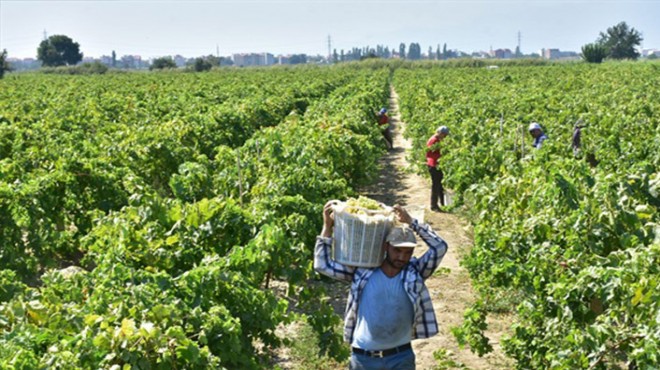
x: 305, y: 352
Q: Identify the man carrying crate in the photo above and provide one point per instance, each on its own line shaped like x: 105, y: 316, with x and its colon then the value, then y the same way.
x: 388, y: 305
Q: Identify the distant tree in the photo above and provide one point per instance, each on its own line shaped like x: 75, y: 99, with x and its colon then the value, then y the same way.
x: 114, y: 59
x: 438, y: 54
x: 59, y: 50
x: 90, y: 68
x: 593, y: 53
x: 202, y: 65
x: 162, y: 63
x: 335, y: 56
x: 414, y: 51
x: 4, y: 65
x: 355, y: 54
x: 226, y: 61
x: 370, y: 55
x: 402, y: 50
x: 298, y: 59
x: 444, y: 51
x: 652, y: 56
x: 383, y: 51
x: 620, y: 41
x: 430, y: 52
x: 211, y: 59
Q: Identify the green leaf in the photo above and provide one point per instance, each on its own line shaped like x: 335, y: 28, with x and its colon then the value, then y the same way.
x: 171, y: 240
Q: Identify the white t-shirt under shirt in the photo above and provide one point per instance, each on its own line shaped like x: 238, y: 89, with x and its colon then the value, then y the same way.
x: 385, y: 314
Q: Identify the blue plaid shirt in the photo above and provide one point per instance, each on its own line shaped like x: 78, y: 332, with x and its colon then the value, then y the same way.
x: 539, y: 141
x: 417, y: 270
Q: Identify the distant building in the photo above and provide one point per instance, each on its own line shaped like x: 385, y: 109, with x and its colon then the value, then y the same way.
x: 649, y: 52
x: 25, y: 64
x: 480, y: 55
x: 131, y: 62
x: 550, y: 53
x: 269, y: 59
x: 253, y: 59
x: 502, y: 54
x: 555, y: 54
x: 243, y: 60
x: 107, y: 60
x: 460, y: 54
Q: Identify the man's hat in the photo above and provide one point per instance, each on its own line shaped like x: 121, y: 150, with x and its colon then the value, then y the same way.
x: 401, y: 236
x: 442, y: 130
x: 383, y: 111
x: 534, y: 126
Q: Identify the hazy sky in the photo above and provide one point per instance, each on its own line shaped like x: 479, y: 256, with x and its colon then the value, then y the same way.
x: 195, y: 28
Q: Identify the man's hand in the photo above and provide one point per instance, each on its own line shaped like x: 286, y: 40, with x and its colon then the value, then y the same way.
x: 402, y: 215
x: 328, y: 219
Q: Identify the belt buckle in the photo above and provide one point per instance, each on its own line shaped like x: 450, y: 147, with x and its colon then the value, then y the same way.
x: 377, y: 354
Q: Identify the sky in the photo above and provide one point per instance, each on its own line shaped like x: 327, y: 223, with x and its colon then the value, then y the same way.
x: 196, y: 28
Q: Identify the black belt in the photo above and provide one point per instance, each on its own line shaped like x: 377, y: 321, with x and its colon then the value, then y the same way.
x: 383, y: 353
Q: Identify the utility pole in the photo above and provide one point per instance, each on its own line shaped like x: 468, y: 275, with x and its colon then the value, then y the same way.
x: 217, y: 51
x: 45, y: 35
x: 519, y: 50
x: 329, y: 50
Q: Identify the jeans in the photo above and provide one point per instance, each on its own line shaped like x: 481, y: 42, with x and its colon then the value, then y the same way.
x: 400, y: 361
x: 437, y: 191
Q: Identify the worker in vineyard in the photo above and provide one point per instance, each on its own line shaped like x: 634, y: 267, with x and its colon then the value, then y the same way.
x: 576, y: 138
x: 537, y: 133
x: 389, y: 305
x: 384, y: 125
x: 432, y: 156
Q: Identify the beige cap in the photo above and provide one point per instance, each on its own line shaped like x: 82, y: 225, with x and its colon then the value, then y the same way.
x: 401, y: 236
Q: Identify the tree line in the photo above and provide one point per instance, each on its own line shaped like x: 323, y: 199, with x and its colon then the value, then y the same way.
x: 617, y: 42
x: 412, y: 52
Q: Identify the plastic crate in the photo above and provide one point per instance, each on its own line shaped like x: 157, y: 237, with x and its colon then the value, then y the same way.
x: 358, y: 238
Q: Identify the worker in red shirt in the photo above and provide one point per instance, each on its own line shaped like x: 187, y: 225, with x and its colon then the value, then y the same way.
x: 384, y: 125
x: 432, y: 157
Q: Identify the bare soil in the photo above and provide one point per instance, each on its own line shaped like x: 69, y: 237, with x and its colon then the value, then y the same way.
x: 451, y: 292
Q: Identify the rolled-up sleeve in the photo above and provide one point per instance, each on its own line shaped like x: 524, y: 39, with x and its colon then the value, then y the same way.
x: 325, y: 265
x: 427, y: 264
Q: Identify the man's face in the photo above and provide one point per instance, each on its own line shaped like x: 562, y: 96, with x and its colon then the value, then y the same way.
x: 535, y: 132
x: 398, y: 257
x: 442, y: 135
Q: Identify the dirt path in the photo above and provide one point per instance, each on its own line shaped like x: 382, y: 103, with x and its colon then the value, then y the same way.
x: 451, y: 292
